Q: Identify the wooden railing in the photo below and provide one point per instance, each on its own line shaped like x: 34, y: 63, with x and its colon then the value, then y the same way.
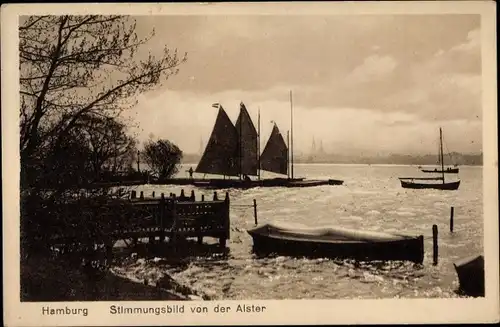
x: 173, y: 217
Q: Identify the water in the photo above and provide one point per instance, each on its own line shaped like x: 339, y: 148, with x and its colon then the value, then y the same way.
x: 370, y: 199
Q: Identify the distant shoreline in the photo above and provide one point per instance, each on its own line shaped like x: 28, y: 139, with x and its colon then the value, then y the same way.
x: 361, y: 164
x: 461, y: 159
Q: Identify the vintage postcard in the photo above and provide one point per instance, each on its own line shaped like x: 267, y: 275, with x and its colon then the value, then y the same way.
x: 250, y: 163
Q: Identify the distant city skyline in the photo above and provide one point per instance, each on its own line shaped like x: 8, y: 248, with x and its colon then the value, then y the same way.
x: 372, y: 84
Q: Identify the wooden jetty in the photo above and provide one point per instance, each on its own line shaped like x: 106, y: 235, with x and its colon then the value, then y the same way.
x: 173, y: 217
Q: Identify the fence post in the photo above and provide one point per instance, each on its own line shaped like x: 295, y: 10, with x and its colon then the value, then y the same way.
x: 193, y: 198
x: 153, y: 194
x: 452, y: 212
x: 215, y: 196
x: 202, y: 197
x: 173, y: 232
x: 255, y: 211
x: 133, y: 194
x: 435, y: 247
x: 162, y: 218
x: 142, y: 195
x: 182, y: 194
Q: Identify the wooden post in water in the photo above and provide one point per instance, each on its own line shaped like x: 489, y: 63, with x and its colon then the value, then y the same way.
x: 215, y: 196
x: 182, y: 194
x: 202, y: 197
x: 435, y: 248
x: 133, y: 194
x: 193, y: 198
x: 142, y: 195
x: 153, y: 194
x: 255, y: 211
x: 452, y: 212
x: 223, y: 238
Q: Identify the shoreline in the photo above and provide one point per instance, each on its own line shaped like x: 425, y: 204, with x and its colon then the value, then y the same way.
x: 54, y: 279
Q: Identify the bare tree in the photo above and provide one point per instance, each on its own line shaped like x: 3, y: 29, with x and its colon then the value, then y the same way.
x: 108, y: 143
x: 163, y: 157
x: 74, y: 68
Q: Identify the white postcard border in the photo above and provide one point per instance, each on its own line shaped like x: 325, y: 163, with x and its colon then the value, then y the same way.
x: 278, y: 311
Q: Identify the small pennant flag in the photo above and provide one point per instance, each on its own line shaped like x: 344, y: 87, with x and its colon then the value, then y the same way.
x: 216, y: 105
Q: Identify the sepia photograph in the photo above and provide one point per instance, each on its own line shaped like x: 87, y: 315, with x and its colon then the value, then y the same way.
x: 169, y: 159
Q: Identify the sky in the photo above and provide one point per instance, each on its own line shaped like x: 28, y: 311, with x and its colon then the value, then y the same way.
x: 362, y: 84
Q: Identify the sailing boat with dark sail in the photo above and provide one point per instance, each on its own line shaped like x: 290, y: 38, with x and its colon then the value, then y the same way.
x: 233, y: 151
x: 412, y: 182
x: 248, y: 152
x: 274, y: 158
x: 220, y: 155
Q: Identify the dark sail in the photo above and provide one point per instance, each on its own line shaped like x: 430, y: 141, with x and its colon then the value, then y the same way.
x: 274, y: 158
x: 248, y: 153
x: 220, y: 155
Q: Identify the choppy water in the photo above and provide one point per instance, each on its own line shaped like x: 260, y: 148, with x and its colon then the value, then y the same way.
x: 370, y: 199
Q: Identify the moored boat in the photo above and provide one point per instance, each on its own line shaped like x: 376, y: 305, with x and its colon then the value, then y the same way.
x: 233, y: 151
x: 409, y: 182
x: 417, y: 182
x: 447, y: 170
x: 335, y: 242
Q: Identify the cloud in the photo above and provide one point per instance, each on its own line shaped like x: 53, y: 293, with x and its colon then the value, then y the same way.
x: 472, y: 43
x: 399, y: 75
x: 446, y: 85
x: 186, y: 118
x: 373, y: 68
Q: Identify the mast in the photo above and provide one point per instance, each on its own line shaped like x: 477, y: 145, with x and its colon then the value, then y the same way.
x: 258, y: 144
x: 240, y: 152
x: 291, y: 133
x: 441, y: 152
x: 288, y: 145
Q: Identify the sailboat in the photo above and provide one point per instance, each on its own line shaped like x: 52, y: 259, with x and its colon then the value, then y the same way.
x: 412, y: 182
x: 223, y: 153
x: 234, y: 151
x: 220, y: 155
x: 448, y: 170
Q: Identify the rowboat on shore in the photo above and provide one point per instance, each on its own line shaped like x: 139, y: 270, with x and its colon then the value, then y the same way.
x: 335, y: 242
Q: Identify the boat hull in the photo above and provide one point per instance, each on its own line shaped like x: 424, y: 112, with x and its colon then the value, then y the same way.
x: 446, y: 171
x: 451, y: 186
x: 470, y: 273
x: 278, y: 182
x: 407, y: 249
